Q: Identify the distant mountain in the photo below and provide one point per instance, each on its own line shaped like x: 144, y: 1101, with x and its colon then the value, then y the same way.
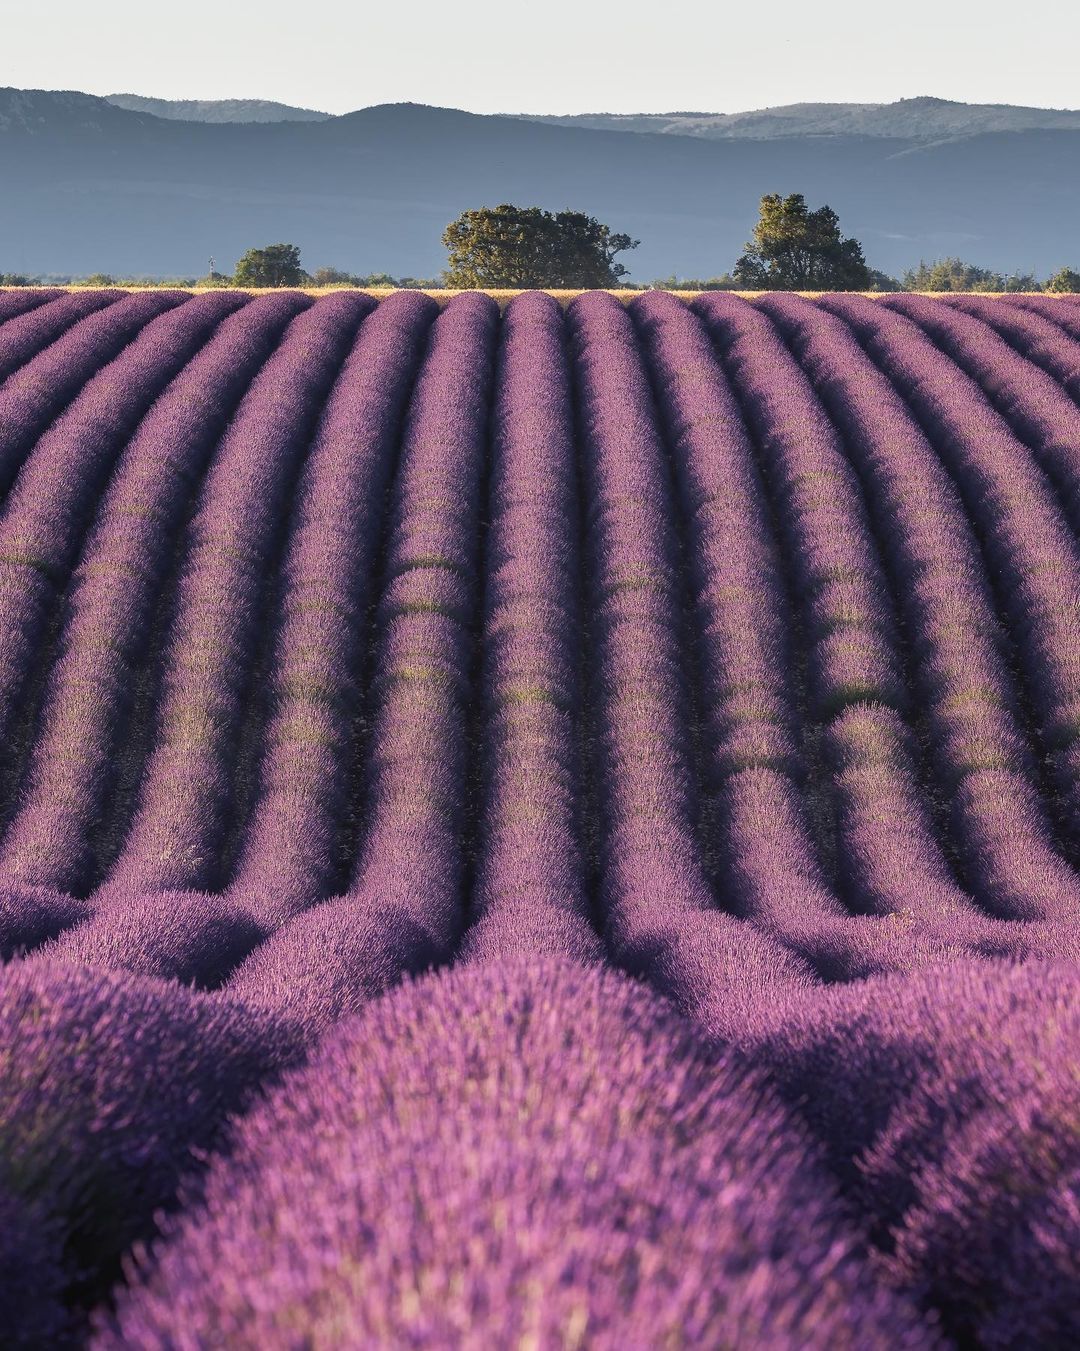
x: 91, y: 187
x: 921, y: 119
x: 216, y: 110
x: 56, y: 112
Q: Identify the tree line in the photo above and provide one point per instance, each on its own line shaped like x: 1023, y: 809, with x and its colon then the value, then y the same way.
x: 792, y: 248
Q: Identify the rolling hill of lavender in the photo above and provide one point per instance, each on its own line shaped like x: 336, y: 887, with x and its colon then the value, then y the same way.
x: 541, y: 828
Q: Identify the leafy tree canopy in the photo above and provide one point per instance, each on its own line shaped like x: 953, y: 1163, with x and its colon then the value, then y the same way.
x: 13, y: 279
x: 526, y: 247
x: 274, y: 265
x: 796, y: 249
x: 1064, y: 280
x: 953, y: 274
x: 331, y: 276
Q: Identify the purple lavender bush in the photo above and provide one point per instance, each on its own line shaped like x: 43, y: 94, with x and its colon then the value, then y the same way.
x: 187, y: 936
x: 1037, y: 404
x: 16, y: 301
x: 530, y: 1150
x: 949, y: 1105
x: 46, y: 512
x: 656, y: 902
x: 108, y: 1084
x: 1037, y: 338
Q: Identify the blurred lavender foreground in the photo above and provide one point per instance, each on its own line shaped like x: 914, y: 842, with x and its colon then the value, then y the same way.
x: 541, y: 828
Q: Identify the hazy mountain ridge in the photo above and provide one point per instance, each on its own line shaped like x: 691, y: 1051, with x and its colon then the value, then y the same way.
x: 920, y: 118
x: 216, y: 110
x: 92, y: 187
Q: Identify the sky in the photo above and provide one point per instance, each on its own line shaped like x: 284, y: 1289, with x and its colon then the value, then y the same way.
x: 555, y: 56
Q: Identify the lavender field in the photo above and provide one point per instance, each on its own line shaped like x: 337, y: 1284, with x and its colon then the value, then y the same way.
x: 546, y: 829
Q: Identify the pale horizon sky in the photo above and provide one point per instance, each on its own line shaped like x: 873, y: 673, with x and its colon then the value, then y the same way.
x: 562, y: 56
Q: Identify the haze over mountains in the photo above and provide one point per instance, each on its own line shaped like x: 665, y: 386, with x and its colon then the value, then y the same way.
x: 916, y: 118
x: 90, y: 185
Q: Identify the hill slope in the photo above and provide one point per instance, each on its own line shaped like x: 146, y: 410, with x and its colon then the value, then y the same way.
x: 216, y: 110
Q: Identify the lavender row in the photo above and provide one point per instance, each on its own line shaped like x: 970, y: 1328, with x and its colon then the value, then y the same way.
x: 854, y: 678
x: 835, y: 569
x: 983, y: 763
x: 48, y: 511
x: 1031, y: 401
x: 528, y: 895
x: 41, y: 388
x: 1065, y: 316
x: 651, y: 859
x: 772, y: 874
x: 404, y: 908
x: 750, y: 723
x: 942, y: 1104
x: 770, y: 869
x: 523, y: 1154
x: 291, y: 854
x: 24, y: 337
x: 185, y: 796
x: 16, y: 301
x: 749, y: 703
x: 1032, y: 335
x: 57, y: 841
x: 1006, y: 495
x: 655, y: 899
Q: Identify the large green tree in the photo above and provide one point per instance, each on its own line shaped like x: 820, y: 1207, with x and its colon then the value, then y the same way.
x: 796, y: 249
x: 274, y: 265
x: 526, y: 247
